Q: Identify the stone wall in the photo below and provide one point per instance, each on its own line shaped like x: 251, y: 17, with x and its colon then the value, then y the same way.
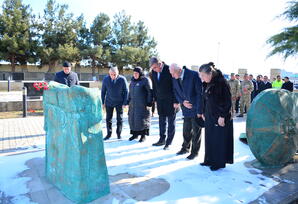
x: 33, y: 72
x: 14, y: 86
x: 18, y: 85
x: 7, y: 106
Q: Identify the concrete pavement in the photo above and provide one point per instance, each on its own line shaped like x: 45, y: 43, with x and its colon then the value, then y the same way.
x: 21, y: 135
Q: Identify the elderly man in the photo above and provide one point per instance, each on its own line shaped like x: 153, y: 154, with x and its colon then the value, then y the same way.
x: 114, y: 94
x: 165, y: 99
x: 66, y: 76
x: 188, y: 91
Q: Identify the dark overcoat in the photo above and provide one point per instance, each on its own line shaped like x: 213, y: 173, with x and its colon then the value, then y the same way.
x: 217, y: 103
x: 140, y: 100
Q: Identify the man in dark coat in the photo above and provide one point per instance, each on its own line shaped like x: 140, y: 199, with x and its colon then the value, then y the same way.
x: 267, y: 84
x: 188, y: 91
x: 67, y: 76
x: 164, y: 96
x: 114, y: 94
x: 288, y: 85
x: 260, y: 85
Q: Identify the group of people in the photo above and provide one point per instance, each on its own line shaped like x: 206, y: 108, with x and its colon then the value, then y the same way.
x: 244, y: 91
x: 203, y: 96
x: 206, y: 98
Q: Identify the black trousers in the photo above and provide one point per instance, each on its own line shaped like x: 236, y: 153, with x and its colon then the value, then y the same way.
x: 191, y: 135
x: 109, y: 116
x: 237, y: 105
x: 171, y: 128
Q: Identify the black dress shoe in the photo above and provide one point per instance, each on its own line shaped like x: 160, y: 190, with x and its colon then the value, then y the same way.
x: 159, y: 143
x: 133, y: 137
x: 204, y: 164
x: 191, y: 156
x: 119, y: 136
x: 214, y: 168
x: 107, y: 137
x: 166, y: 147
x: 182, y: 151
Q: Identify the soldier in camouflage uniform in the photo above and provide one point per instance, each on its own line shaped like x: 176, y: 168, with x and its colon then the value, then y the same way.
x: 235, y: 90
x: 246, y: 88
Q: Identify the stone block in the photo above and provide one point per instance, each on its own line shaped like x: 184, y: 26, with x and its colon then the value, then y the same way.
x: 75, y: 159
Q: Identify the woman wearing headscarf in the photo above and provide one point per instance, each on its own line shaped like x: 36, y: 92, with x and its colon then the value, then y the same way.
x: 140, y: 101
x: 217, y: 104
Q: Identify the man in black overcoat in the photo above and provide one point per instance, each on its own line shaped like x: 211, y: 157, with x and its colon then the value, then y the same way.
x: 288, y: 85
x: 165, y: 99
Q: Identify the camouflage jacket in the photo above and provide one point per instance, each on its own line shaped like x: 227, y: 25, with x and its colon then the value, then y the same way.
x: 235, y: 87
x: 246, y: 87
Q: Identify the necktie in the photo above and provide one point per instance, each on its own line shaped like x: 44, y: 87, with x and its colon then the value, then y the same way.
x: 158, y: 75
x: 180, y: 82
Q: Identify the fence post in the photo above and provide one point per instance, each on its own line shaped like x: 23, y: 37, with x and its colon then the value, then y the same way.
x: 24, y: 101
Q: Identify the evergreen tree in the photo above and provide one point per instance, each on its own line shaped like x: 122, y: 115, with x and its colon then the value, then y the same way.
x: 17, y: 39
x: 286, y: 42
x: 59, y: 36
x: 131, y: 44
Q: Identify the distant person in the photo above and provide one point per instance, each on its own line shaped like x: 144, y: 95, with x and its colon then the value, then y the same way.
x: 246, y: 89
x: 288, y: 85
x: 114, y: 95
x: 238, y: 98
x: 219, y: 146
x: 66, y: 76
x: 267, y: 84
x: 188, y: 91
x: 277, y: 84
x: 163, y: 94
x: 260, y: 84
x: 255, y: 90
x: 140, y: 101
x: 235, y: 90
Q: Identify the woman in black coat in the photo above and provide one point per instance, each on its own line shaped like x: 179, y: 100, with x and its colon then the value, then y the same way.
x: 217, y: 103
x: 140, y: 101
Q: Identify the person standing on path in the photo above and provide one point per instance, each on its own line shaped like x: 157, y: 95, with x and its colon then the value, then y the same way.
x: 114, y: 95
x: 163, y: 94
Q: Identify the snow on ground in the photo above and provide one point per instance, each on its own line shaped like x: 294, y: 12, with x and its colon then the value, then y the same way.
x: 10, y: 183
x: 189, y: 182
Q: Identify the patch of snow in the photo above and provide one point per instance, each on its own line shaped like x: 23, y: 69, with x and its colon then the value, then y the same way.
x: 189, y: 182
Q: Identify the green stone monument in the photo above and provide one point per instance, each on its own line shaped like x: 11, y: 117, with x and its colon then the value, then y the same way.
x: 75, y: 159
x: 272, y: 127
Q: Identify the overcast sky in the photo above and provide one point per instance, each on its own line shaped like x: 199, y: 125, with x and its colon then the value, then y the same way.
x: 231, y: 33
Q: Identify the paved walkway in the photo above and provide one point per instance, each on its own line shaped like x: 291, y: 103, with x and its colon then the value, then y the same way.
x: 20, y: 133
x: 25, y: 134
